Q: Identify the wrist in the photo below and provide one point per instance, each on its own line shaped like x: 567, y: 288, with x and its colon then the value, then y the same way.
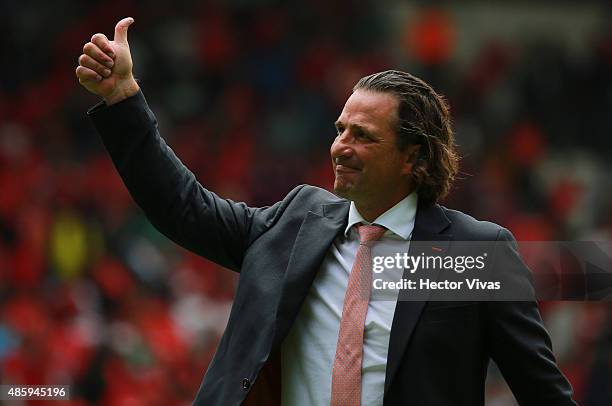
x: 122, y: 92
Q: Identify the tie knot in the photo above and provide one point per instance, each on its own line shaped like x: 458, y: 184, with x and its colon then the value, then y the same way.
x: 368, y: 233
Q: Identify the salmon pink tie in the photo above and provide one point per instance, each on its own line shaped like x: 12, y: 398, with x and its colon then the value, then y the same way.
x: 346, y: 374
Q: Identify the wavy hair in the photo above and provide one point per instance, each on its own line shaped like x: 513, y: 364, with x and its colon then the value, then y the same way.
x: 423, y: 119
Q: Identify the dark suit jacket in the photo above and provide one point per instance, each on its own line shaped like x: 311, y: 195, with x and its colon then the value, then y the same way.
x: 438, y: 351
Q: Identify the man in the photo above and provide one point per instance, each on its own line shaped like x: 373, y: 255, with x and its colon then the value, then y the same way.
x: 302, y: 330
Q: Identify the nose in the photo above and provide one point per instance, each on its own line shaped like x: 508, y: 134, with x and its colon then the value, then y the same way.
x: 341, y: 147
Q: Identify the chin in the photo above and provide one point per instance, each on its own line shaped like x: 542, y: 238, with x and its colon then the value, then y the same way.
x: 340, y: 190
x: 343, y: 190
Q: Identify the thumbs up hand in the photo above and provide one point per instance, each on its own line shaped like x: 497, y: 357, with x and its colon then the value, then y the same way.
x: 105, y: 67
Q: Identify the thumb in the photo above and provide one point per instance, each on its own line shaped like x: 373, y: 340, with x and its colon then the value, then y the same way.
x: 121, y: 30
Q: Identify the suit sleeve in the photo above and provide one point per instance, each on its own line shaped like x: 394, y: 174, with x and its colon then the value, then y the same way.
x: 169, y: 193
x: 518, y: 342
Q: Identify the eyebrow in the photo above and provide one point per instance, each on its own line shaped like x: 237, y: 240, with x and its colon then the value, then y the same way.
x: 355, y: 126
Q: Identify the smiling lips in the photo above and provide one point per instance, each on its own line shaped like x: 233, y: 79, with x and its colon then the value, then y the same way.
x: 345, y: 168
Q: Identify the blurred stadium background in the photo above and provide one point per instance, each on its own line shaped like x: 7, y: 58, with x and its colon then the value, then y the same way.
x: 247, y: 92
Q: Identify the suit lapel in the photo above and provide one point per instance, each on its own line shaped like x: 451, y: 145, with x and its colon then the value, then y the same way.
x: 429, y: 224
x: 316, y: 234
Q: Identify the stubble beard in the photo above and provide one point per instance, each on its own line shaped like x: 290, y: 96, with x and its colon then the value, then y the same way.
x: 344, y: 189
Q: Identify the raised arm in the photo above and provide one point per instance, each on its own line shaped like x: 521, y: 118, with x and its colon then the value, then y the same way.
x: 169, y: 194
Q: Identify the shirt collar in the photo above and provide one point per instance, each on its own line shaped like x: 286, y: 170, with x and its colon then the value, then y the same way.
x: 399, y: 219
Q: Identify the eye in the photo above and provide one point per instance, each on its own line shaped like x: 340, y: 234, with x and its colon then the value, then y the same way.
x: 362, y: 135
x: 339, y: 129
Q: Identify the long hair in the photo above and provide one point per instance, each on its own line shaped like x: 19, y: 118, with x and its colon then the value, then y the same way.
x: 423, y: 119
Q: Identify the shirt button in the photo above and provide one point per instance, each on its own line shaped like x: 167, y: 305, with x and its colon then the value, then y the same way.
x: 246, y: 384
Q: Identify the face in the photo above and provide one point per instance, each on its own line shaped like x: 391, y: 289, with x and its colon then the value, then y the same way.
x: 369, y: 167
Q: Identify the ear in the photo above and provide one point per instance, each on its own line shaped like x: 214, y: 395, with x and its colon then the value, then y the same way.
x: 410, y: 155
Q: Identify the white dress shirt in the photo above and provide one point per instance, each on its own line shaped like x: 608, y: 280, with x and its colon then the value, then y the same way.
x: 309, y: 350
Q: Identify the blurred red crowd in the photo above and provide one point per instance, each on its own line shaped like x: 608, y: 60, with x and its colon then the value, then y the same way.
x: 93, y: 297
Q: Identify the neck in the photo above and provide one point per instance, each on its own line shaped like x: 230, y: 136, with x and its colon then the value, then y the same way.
x: 371, y: 212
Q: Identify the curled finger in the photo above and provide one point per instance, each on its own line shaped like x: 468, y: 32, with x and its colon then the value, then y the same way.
x: 90, y: 49
x: 88, y: 62
x: 87, y: 75
x: 104, y: 44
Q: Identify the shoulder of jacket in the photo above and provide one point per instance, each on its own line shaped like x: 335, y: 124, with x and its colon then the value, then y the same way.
x: 314, y: 195
x: 472, y: 228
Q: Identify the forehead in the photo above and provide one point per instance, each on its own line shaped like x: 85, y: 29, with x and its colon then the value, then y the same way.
x: 370, y: 108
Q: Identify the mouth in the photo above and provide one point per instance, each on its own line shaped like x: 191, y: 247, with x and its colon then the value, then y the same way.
x: 345, y: 169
